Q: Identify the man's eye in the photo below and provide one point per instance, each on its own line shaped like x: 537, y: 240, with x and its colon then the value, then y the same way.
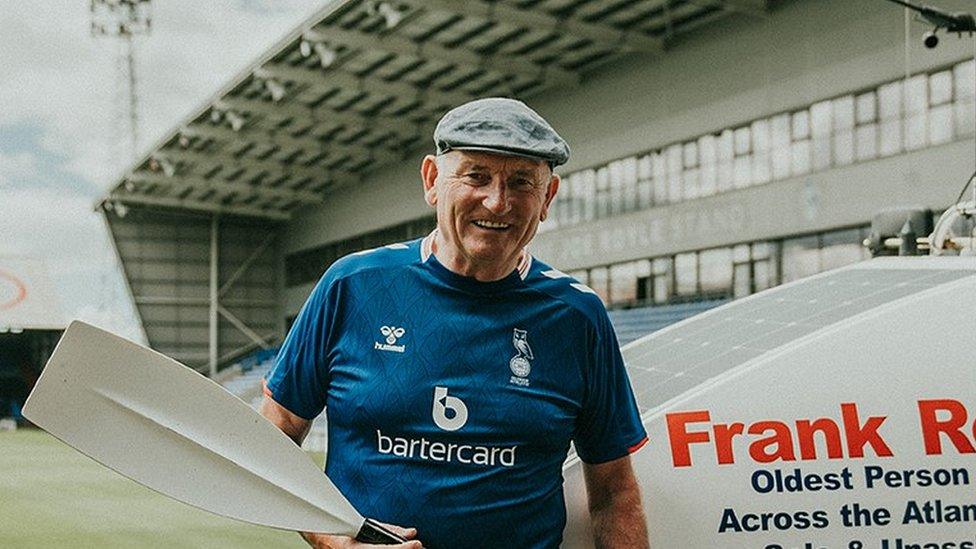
x: 477, y: 178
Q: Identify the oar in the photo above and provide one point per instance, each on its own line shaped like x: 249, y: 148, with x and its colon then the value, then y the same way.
x: 169, y: 428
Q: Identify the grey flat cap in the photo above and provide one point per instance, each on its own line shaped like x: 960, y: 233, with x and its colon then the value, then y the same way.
x: 500, y: 125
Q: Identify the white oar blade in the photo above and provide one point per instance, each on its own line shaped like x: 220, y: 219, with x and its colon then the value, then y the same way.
x: 171, y: 429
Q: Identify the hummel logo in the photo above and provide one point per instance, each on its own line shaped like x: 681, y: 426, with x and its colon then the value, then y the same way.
x: 392, y: 333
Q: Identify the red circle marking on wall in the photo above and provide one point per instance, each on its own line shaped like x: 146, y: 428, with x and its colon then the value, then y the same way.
x: 21, y: 290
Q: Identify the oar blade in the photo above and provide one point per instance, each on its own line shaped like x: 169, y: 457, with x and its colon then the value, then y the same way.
x: 167, y: 427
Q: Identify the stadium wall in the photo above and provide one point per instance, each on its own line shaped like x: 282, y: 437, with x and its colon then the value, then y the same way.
x: 722, y: 76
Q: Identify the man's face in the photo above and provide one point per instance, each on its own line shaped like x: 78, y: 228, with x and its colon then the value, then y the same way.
x: 488, y: 208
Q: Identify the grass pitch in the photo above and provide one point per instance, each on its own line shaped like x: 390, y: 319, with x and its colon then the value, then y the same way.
x: 53, y: 496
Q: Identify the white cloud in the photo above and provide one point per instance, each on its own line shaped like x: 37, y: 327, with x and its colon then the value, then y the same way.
x: 17, y: 168
x: 60, y: 80
x: 60, y: 77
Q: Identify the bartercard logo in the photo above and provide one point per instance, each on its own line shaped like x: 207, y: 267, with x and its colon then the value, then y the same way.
x: 450, y: 413
x: 392, y: 334
x: 519, y: 364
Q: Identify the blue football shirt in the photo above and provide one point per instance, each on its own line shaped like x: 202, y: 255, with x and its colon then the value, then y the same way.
x: 451, y: 403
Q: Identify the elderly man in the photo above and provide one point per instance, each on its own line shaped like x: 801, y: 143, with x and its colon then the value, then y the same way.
x: 456, y: 369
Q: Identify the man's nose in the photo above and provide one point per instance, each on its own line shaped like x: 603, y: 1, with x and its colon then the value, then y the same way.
x: 496, y: 199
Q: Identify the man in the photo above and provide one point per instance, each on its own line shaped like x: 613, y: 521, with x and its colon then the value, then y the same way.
x: 456, y: 369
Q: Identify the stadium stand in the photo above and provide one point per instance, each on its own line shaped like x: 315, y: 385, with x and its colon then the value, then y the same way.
x: 245, y: 381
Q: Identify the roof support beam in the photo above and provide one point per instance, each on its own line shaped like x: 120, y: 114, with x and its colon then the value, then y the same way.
x: 244, y: 329
x: 433, y: 100
x: 284, y: 141
x: 755, y: 8
x: 497, y: 11
x: 202, y: 161
x: 225, y: 187
x: 247, y: 264
x: 404, y: 128
x: 196, y: 205
x: 398, y: 45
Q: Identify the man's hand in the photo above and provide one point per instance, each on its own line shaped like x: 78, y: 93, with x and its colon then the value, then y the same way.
x: 615, y: 505
x: 327, y: 541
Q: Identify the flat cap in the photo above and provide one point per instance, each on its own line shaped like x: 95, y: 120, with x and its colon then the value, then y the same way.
x: 500, y: 125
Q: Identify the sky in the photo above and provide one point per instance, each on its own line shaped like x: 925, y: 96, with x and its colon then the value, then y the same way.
x: 62, y: 145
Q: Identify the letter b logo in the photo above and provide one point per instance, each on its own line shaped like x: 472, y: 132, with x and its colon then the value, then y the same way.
x: 450, y: 413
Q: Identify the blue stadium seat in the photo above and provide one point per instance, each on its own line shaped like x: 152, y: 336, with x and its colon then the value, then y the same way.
x: 632, y: 324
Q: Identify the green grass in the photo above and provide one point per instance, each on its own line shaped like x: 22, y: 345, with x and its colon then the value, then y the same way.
x: 52, y: 496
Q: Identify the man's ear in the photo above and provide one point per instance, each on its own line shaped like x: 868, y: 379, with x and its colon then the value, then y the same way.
x: 550, y: 194
x: 428, y: 174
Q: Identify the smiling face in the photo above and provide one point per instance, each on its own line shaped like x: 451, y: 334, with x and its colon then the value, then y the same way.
x: 488, y: 208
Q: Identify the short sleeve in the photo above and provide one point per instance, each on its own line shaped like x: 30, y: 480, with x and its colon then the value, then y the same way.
x: 609, y: 426
x: 300, y: 377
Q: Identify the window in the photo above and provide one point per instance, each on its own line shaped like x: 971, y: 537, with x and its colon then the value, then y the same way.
x: 602, y: 193
x: 615, y: 173
x: 690, y: 163
x: 940, y: 108
x: 761, y: 146
x: 866, y: 132
x: 725, y: 155
x: 800, y: 148
x: 964, y: 80
x: 715, y: 271
x: 890, y: 111
x: 686, y: 274
x: 662, y: 274
x: 628, y: 167
x: 742, y: 164
x: 599, y: 282
x: 675, y: 154
x: 780, y: 141
x: 587, y: 180
x: 624, y: 281
x: 801, y: 258
x: 645, y: 182
x: 660, y: 165
x: 742, y: 271
x: 708, y: 158
x: 764, y: 266
x: 843, y: 142
x: 839, y: 248
x: 821, y: 131
x: 916, y: 111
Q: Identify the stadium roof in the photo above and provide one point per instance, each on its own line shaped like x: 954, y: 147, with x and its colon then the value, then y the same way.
x: 361, y: 84
x: 28, y: 300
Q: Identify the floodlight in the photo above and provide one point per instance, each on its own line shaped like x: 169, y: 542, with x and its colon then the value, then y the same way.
x: 215, y: 116
x: 276, y: 89
x: 391, y: 15
x: 327, y: 55
x: 161, y: 164
x: 236, y: 121
x: 305, y: 48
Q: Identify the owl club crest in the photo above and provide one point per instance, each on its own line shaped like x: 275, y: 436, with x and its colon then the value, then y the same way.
x: 519, y: 363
